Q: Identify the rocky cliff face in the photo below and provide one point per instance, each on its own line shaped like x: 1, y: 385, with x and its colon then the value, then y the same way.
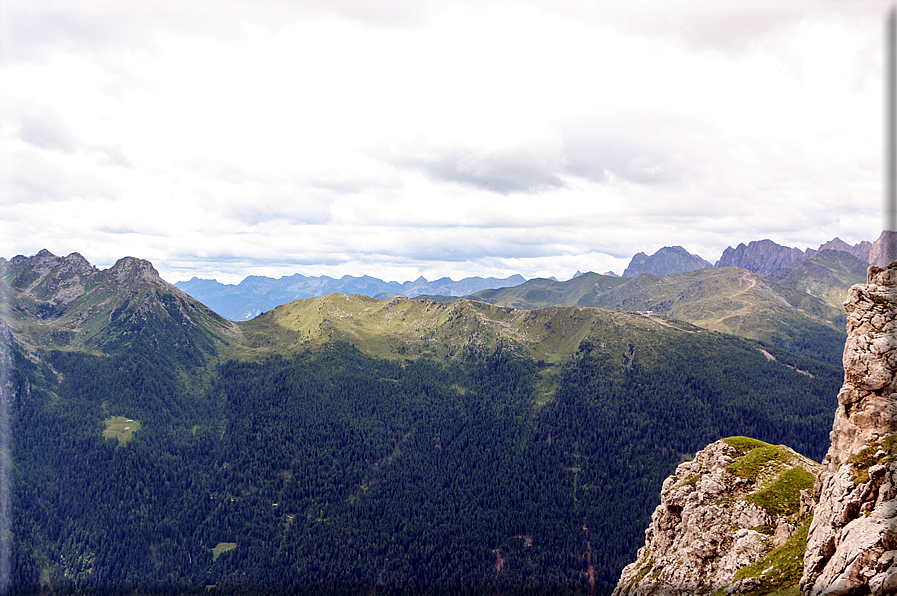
x: 852, y: 543
x: 669, y: 259
x: 726, y: 511
x: 880, y: 253
x: 763, y: 257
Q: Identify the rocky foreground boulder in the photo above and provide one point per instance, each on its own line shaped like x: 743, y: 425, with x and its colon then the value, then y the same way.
x: 725, y: 520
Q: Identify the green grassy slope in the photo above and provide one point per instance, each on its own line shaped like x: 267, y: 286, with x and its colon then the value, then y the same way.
x: 539, y: 293
x: 728, y: 300
x: 827, y: 275
x: 405, y: 327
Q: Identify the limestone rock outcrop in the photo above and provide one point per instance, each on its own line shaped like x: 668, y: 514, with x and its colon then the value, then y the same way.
x: 881, y: 252
x: 763, y: 257
x: 727, y: 509
x: 669, y: 259
x: 852, y: 542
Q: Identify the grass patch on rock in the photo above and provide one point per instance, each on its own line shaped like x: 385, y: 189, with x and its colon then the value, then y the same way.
x: 691, y: 480
x: 760, y: 459
x: 882, y: 451
x: 744, y: 444
x: 780, y: 570
x: 782, y: 497
x: 647, y: 567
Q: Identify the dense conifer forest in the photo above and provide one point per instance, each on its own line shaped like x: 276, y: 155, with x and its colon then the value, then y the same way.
x: 331, y: 471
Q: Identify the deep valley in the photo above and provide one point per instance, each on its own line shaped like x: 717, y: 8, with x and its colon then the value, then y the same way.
x: 353, y: 445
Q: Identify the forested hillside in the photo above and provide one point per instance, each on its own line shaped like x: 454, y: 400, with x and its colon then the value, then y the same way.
x: 336, y: 470
x: 476, y: 449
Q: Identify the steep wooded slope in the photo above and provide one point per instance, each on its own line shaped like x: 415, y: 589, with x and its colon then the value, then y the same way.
x: 343, y: 443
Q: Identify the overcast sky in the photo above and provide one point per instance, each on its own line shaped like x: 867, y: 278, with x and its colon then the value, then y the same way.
x: 414, y: 137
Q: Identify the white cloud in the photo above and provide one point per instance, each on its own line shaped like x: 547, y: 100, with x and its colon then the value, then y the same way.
x: 401, y: 137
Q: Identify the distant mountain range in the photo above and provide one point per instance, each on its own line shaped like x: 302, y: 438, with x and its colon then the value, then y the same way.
x: 256, y: 294
x: 765, y: 257
x: 826, y: 273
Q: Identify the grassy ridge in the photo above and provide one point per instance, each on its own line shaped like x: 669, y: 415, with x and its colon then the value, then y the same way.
x: 729, y: 300
x: 827, y: 275
x: 406, y: 328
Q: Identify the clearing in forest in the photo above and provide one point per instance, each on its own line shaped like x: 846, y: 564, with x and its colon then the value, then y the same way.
x: 222, y: 547
x: 121, y: 428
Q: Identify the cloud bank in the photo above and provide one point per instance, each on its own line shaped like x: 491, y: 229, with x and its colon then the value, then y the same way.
x: 406, y: 138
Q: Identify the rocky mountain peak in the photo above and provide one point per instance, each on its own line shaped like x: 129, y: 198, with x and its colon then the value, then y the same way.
x: 669, y: 259
x: 66, y: 302
x: 763, y: 257
x: 836, y: 244
x: 132, y: 269
x: 41, y: 264
x: 77, y: 264
x: 852, y: 542
x: 44, y: 276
